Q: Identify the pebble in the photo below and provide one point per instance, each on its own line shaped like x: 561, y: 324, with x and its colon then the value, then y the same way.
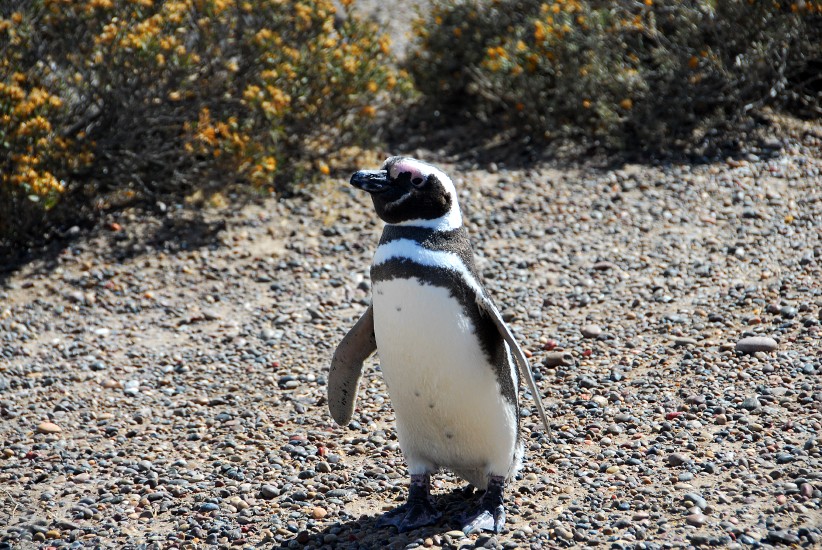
x: 778, y: 536
x: 48, y: 428
x: 751, y: 404
x: 754, y: 344
x: 678, y: 459
x: 591, y: 331
x: 269, y: 491
x: 696, y: 499
x: 558, y: 358
x: 684, y: 341
x: 697, y: 520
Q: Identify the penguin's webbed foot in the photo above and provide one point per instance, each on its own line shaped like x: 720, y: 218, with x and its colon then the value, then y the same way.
x: 491, y: 513
x: 419, y: 511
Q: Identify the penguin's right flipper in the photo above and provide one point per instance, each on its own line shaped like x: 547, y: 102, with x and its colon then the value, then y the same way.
x: 346, y: 367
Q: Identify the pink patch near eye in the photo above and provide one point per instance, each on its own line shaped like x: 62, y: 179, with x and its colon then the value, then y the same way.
x: 411, y: 167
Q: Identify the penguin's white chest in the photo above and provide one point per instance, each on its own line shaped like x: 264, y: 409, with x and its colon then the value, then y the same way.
x: 450, y: 409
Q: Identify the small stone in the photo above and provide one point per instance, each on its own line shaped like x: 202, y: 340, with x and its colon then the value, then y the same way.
x: 779, y: 536
x: 111, y: 384
x: 558, y: 358
x: 678, y: 459
x: 456, y: 535
x: 268, y: 492
x: 612, y: 469
x: 600, y: 400
x: 48, y: 428
x: 591, y: 331
x: 696, y: 499
x: 697, y: 520
x: 318, y: 512
x: 750, y: 404
x: 563, y: 533
x: 132, y: 387
x: 754, y: 344
x: 237, y: 502
x: 788, y: 312
x: 681, y: 341
x: 587, y: 382
x: 485, y: 541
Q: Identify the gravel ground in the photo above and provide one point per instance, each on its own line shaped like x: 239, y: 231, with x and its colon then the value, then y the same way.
x: 162, y: 381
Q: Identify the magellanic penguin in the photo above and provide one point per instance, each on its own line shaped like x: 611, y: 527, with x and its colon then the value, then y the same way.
x: 449, y: 360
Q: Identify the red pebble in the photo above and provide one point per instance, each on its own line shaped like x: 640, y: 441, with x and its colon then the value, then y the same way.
x: 549, y: 345
x: 672, y: 415
x: 587, y: 353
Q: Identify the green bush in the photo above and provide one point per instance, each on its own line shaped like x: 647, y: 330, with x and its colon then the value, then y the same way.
x: 650, y: 75
x: 106, y: 102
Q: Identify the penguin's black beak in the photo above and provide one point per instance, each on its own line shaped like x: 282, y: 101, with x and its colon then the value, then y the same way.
x: 373, y: 181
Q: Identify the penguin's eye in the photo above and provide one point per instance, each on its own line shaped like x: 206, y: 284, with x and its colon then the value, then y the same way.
x: 419, y: 182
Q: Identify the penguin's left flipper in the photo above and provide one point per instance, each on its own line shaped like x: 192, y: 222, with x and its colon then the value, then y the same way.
x: 487, y: 306
x: 346, y: 367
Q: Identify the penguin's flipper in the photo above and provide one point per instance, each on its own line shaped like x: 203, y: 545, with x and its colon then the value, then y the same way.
x: 519, y: 357
x: 346, y: 367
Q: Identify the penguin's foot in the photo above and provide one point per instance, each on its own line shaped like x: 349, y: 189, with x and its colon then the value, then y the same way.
x: 491, y: 513
x: 419, y: 511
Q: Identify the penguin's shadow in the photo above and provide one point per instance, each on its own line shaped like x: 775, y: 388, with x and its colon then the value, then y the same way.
x: 363, y: 533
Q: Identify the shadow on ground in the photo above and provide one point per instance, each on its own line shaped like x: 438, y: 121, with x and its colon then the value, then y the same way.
x: 484, y: 144
x: 117, y: 240
x: 363, y: 532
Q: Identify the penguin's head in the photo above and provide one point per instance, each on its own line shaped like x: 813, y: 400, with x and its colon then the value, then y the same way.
x: 407, y: 191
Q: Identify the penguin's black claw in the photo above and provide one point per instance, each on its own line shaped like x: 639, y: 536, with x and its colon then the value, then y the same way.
x: 410, y: 516
x: 486, y: 520
x: 419, y: 511
x: 491, y: 513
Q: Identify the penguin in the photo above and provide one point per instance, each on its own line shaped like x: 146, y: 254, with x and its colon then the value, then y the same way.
x: 451, y: 364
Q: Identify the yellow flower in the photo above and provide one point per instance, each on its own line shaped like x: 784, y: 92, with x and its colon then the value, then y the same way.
x: 269, y: 164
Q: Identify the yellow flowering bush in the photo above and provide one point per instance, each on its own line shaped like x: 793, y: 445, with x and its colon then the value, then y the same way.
x: 111, y: 101
x: 648, y: 75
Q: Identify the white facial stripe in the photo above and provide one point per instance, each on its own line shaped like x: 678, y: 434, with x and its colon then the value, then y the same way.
x: 452, y: 220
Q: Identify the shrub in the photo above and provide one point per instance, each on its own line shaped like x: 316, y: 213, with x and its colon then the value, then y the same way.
x: 111, y: 101
x: 638, y: 75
